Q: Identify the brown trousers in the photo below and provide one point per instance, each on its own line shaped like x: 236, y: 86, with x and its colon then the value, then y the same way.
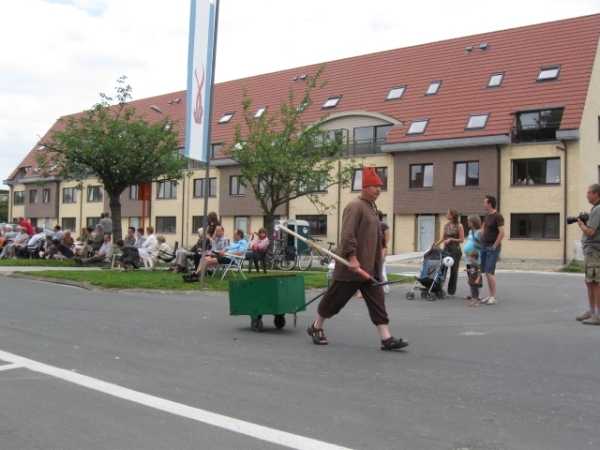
x: 340, y: 293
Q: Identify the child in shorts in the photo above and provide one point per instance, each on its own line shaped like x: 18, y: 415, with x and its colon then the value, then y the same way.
x: 474, y: 272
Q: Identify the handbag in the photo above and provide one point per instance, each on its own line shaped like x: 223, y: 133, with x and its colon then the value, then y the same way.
x: 476, y: 240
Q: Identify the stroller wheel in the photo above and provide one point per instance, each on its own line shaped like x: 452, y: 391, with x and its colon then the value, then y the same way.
x: 423, y: 294
x: 431, y: 296
x: 441, y: 294
x: 410, y: 295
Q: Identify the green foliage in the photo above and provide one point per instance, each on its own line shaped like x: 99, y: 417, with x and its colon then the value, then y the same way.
x: 282, y: 158
x: 115, y: 145
x: 573, y: 267
x: 163, y: 280
x: 4, y: 209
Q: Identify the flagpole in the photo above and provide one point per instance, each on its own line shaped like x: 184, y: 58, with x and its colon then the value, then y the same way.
x: 207, y: 143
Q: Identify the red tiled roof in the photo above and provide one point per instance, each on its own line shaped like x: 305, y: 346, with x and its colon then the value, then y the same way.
x: 364, y: 82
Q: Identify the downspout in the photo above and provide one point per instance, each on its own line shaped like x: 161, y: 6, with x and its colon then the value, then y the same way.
x: 339, y: 200
x: 564, y: 201
x: 498, y: 177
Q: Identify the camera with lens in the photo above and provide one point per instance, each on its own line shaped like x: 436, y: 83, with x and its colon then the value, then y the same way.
x: 573, y: 219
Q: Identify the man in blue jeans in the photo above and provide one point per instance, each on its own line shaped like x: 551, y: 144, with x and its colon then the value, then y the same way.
x: 492, y: 233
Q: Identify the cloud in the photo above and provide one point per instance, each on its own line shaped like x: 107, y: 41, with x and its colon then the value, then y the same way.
x: 71, y: 50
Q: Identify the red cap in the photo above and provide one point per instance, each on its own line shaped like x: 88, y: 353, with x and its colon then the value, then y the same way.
x: 370, y: 177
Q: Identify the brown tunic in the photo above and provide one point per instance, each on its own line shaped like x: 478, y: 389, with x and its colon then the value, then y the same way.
x: 360, y: 236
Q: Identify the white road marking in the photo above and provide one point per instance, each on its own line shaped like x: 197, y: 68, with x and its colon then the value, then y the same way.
x: 10, y: 366
x: 238, y: 426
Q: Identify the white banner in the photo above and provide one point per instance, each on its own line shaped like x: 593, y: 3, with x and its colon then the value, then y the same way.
x: 200, y: 69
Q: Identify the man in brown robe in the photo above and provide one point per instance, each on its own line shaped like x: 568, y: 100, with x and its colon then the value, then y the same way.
x: 360, y: 245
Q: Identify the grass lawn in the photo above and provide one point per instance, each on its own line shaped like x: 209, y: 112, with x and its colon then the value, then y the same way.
x: 160, y: 279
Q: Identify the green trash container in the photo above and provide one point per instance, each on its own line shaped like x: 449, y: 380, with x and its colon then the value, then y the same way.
x: 301, y: 227
x: 270, y: 295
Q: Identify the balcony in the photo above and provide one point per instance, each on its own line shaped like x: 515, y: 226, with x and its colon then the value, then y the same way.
x: 535, y: 134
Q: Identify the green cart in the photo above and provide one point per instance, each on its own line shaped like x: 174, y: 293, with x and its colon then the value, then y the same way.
x: 270, y: 295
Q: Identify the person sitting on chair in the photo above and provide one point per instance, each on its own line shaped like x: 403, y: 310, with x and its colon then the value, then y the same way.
x: 129, y: 257
x: 183, y: 256
x: 258, y: 250
x: 100, y: 254
x: 163, y: 251
x: 238, y: 248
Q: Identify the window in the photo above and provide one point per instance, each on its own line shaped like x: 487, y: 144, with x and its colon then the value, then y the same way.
x: 534, y: 226
x: 167, y: 225
x: 368, y: 140
x: 495, y: 79
x: 166, y: 189
x: 133, y: 192
x: 33, y: 196
x: 197, y: 222
x: 418, y: 126
x: 92, y: 222
x: 534, y: 126
x: 317, y: 224
x: 215, y: 149
x: 332, y: 102
x: 548, y: 73
x: 135, y: 222
x: 46, y: 196
x: 226, y: 117
x: 19, y: 198
x: 396, y: 93
x: 69, y: 223
x: 259, y: 113
x: 69, y: 195
x: 236, y: 187
x: 477, y: 121
x: 527, y: 172
x: 421, y: 176
x: 357, y: 178
x: 200, y: 190
x: 241, y: 223
x: 466, y: 173
x: 302, y: 106
x: 433, y: 88
x: 94, y: 193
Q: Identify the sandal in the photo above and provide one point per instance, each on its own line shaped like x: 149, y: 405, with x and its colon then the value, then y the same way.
x: 317, y: 335
x: 392, y: 343
x: 474, y: 302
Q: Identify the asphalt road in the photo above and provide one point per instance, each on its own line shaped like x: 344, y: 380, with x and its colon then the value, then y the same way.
x: 101, y: 370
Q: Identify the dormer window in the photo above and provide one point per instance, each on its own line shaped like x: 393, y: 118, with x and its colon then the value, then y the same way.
x: 226, y: 117
x: 495, y: 79
x: 433, y: 88
x: 332, y: 102
x: 477, y: 121
x: 418, y: 126
x: 396, y: 93
x: 548, y: 73
x: 260, y: 112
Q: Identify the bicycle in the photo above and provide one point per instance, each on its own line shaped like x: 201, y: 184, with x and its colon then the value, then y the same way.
x: 277, y: 258
x: 305, y: 259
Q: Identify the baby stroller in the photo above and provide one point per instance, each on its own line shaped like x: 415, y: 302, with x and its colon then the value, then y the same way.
x: 432, y: 276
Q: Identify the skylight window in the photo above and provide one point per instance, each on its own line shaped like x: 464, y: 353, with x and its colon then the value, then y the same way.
x: 302, y: 106
x: 548, y: 73
x: 477, y: 121
x: 226, y: 117
x: 396, y: 93
x: 418, y: 126
x: 433, y: 88
x: 495, y: 79
x: 332, y: 102
x: 260, y: 112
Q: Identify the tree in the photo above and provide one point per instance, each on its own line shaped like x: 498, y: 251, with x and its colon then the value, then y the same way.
x: 4, y: 209
x: 115, y: 145
x: 282, y: 158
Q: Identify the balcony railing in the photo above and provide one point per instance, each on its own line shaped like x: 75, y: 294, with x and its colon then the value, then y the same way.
x: 535, y: 134
x: 370, y: 147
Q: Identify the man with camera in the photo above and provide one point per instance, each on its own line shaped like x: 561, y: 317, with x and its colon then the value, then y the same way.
x: 590, y: 243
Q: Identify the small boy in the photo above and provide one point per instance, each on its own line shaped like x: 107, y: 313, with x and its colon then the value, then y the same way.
x: 474, y: 272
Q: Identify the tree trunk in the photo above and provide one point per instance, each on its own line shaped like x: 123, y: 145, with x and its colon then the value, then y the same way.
x: 115, y: 212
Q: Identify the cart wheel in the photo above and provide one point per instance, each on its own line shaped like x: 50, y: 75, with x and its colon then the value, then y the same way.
x: 431, y: 296
x: 279, y: 321
x: 441, y: 294
x: 410, y: 295
x: 423, y: 294
x: 257, y: 326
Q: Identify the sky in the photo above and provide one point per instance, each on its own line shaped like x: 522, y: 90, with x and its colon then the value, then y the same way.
x: 58, y: 55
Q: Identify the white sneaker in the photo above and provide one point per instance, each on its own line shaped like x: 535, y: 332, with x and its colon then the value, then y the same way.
x: 491, y: 301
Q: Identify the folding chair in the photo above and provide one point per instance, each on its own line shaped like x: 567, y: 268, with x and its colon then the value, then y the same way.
x: 167, y: 258
x: 236, y: 264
